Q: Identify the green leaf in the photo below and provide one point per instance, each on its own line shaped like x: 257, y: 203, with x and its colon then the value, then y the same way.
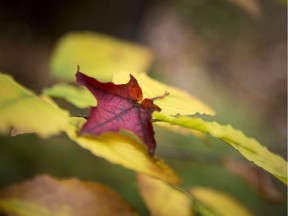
x: 123, y: 150
x: 23, y: 110
x: 219, y: 203
x: 97, y: 55
x: 78, y: 96
x: 250, y: 148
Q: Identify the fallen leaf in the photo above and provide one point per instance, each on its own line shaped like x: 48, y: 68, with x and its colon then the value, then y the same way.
x: 162, y: 199
x: 99, y: 55
x: 45, y: 196
x: 120, y: 107
x: 123, y: 150
x: 23, y: 110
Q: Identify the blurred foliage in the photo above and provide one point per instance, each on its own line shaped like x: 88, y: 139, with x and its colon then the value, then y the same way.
x: 122, y: 150
x: 199, y: 162
x: 98, y: 55
x: 212, y: 16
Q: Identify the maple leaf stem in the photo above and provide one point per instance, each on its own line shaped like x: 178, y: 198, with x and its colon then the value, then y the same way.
x: 82, y: 116
x: 161, y: 96
x: 156, y: 120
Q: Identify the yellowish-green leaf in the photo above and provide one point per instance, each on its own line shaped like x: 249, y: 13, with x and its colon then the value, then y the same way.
x: 219, y: 203
x: 25, y: 208
x: 250, y: 148
x: 46, y: 196
x: 177, y: 102
x: 162, y: 199
x: 97, y: 55
x: 23, y: 110
x: 123, y: 150
x: 78, y: 96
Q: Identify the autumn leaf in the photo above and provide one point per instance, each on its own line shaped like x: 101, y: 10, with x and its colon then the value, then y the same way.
x: 46, y: 196
x: 120, y: 107
x: 178, y: 102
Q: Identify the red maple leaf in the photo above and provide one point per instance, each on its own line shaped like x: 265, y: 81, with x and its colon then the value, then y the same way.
x: 120, y: 107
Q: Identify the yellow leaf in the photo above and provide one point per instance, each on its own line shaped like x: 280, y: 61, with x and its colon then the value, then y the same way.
x: 46, y: 196
x: 98, y: 55
x: 250, y: 148
x: 23, y: 110
x: 162, y: 199
x: 219, y: 203
x: 123, y: 150
x: 177, y: 102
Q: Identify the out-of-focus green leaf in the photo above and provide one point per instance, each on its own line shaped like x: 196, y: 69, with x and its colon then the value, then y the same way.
x: 250, y: 148
x: 46, y: 196
x: 98, y: 55
x: 219, y: 203
x: 23, y: 110
x: 78, y: 96
x: 162, y: 199
x: 123, y: 150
